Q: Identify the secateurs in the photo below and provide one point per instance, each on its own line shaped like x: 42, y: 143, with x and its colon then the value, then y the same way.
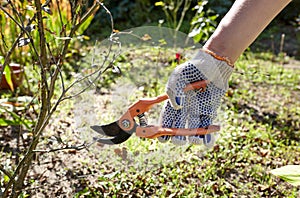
x: 122, y: 129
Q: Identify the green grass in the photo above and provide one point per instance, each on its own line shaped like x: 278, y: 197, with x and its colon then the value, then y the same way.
x: 260, y: 132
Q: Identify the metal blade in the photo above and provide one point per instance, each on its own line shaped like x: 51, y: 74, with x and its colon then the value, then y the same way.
x: 116, y: 140
x: 111, y: 129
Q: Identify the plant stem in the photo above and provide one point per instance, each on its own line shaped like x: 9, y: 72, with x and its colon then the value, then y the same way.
x: 23, y: 167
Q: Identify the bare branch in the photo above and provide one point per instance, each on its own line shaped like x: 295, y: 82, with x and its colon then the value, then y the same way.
x: 24, y: 164
x: 66, y: 45
x: 77, y: 148
x: 110, y: 16
x: 60, y: 17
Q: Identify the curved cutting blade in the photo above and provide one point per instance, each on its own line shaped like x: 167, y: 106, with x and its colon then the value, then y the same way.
x: 112, y: 130
x: 116, y: 140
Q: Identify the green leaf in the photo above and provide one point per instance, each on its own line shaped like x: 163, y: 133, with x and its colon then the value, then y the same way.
x: 19, y: 121
x: 85, y: 24
x: 289, y: 173
x: 14, y: 120
x: 6, y: 178
x: 8, y: 77
x: 4, y: 122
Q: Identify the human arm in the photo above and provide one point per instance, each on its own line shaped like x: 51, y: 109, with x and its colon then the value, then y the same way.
x: 237, y: 30
x: 241, y: 25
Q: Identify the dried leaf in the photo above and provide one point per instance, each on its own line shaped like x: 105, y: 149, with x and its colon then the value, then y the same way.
x: 146, y: 37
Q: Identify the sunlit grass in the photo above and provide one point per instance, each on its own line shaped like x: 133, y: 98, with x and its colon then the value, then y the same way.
x: 260, y: 131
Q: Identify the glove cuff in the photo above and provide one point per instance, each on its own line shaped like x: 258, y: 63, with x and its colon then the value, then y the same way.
x: 216, y: 69
x: 220, y: 58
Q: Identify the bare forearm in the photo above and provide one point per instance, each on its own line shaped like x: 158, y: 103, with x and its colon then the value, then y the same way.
x: 241, y: 26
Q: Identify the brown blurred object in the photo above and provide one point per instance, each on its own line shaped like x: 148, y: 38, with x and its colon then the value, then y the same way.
x: 16, y: 76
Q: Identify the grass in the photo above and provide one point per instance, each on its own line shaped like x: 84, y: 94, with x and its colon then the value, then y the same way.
x: 261, y: 124
x: 260, y: 119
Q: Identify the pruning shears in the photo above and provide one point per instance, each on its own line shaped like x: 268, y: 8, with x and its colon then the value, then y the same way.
x: 122, y: 129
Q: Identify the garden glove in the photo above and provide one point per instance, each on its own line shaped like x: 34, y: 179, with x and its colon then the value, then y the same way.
x: 195, y: 109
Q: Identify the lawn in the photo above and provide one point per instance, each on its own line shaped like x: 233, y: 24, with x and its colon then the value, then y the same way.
x: 260, y: 118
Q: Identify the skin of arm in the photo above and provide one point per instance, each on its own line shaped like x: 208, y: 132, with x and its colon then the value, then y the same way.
x: 245, y: 20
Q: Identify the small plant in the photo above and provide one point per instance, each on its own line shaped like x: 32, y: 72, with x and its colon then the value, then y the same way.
x: 204, y: 22
x: 171, y: 9
x: 40, y: 35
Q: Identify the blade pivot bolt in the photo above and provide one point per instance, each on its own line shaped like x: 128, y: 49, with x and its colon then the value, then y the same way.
x: 126, y: 123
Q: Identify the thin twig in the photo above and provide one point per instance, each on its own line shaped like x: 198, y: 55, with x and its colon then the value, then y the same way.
x: 186, y: 7
x: 99, y: 70
x: 66, y: 44
x: 14, y: 45
x: 110, y: 16
x: 17, y: 13
x: 60, y: 18
x: 77, y: 148
x: 6, y: 172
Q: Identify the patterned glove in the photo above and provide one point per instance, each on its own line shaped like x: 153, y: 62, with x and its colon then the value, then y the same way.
x: 195, y: 109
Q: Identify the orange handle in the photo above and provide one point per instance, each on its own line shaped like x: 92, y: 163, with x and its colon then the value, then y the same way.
x: 155, y: 131
x: 200, y: 85
x: 139, y: 107
x: 145, y: 104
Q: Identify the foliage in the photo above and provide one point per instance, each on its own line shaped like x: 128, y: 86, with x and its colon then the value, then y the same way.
x: 175, y: 11
x: 126, y: 14
x: 221, y: 7
x: 290, y: 13
x: 289, y: 173
x: 203, y: 23
x: 57, y: 20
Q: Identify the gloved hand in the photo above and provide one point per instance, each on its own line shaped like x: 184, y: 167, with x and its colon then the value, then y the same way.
x: 195, y: 109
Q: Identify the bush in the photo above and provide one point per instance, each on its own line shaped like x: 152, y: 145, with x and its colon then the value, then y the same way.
x: 38, y: 35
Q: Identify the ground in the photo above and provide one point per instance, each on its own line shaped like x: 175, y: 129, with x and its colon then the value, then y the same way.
x: 260, y: 131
